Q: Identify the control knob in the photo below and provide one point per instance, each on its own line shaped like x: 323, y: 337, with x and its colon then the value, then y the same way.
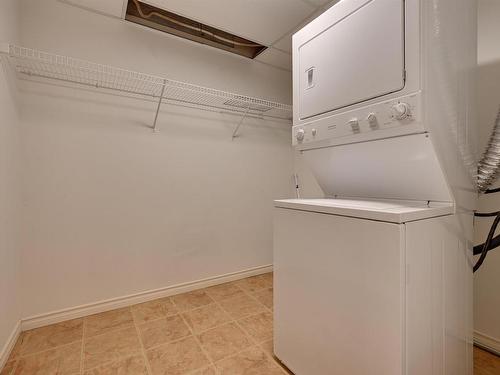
x: 372, y: 121
x: 300, y: 135
x: 401, y: 111
x: 354, y: 124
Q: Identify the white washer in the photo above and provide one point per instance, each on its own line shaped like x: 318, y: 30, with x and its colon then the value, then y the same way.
x: 358, y: 287
x: 376, y: 279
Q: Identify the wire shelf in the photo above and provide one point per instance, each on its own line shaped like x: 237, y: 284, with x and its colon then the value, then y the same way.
x: 33, y: 63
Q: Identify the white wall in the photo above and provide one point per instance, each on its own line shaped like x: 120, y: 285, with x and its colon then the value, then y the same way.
x: 487, y: 279
x: 111, y: 208
x: 9, y: 256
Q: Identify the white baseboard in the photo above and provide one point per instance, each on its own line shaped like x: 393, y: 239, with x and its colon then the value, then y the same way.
x: 9, y: 345
x: 487, y: 342
x: 124, y: 301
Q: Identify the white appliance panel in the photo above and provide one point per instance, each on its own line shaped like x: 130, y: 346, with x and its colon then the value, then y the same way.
x: 374, y: 58
x: 393, y: 168
x: 439, y: 296
x: 375, y: 121
x: 339, y: 294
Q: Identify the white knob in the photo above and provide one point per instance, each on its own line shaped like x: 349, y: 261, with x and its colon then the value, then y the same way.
x: 300, y: 135
x: 372, y: 120
x: 354, y: 124
x: 401, y: 111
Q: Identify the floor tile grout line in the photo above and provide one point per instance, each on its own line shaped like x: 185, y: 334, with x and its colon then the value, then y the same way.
x: 149, y: 370
x: 192, y: 333
x: 200, y: 369
x: 258, y: 302
x: 114, y: 329
x: 254, y: 344
x: 13, y: 371
x: 235, y: 321
x: 116, y: 359
x: 195, y: 335
x: 156, y: 319
x: 82, y: 352
x: 259, y: 345
x: 252, y: 295
x: 44, y: 351
x: 171, y: 315
x: 234, y: 355
x: 209, y: 357
x: 130, y: 325
x: 238, y: 353
x: 274, y: 360
x: 205, y: 353
x: 230, y: 320
x: 255, y: 299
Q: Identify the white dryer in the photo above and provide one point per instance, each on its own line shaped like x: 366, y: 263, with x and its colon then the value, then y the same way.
x: 375, y: 277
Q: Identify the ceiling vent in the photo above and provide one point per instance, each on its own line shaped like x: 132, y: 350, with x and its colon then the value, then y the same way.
x: 159, y: 19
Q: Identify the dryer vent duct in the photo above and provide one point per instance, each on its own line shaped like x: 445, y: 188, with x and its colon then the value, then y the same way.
x: 160, y: 19
x: 489, y: 165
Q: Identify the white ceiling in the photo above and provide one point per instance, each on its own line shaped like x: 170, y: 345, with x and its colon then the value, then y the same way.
x: 269, y: 22
x: 108, y: 7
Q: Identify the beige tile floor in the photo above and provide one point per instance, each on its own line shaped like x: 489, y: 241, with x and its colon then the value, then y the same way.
x: 485, y: 363
x: 224, y: 330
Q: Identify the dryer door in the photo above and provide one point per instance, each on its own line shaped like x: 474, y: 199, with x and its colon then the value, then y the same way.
x: 355, y: 52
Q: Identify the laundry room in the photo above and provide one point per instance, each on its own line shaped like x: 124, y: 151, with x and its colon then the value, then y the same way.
x: 249, y: 187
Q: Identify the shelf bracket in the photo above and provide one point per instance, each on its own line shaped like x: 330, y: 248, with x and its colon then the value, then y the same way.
x: 235, y: 133
x: 155, y: 126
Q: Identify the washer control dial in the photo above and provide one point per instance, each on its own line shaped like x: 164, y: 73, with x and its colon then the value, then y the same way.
x: 401, y: 111
x: 372, y: 120
x: 300, y: 135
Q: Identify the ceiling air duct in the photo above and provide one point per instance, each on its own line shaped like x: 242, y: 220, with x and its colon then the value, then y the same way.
x: 160, y: 19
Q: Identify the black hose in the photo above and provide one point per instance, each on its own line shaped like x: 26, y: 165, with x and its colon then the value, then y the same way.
x: 487, y: 244
x: 486, y: 214
x: 495, y: 242
x: 490, y: 191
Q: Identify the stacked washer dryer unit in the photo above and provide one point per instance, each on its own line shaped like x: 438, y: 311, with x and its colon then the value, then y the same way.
x: 376, y: 277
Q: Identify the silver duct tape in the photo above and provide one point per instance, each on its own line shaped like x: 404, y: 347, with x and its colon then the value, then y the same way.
x: 489, y: 165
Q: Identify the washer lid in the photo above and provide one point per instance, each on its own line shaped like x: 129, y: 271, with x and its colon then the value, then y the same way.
x: 382, y: 210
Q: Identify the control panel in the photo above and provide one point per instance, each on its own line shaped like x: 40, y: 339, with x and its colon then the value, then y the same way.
x: 381, y: 120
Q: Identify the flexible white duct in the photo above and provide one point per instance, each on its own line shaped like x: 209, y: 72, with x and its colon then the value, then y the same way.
x: 489, y: 165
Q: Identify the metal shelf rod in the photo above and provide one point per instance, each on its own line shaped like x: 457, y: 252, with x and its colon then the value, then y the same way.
x: 235, y: 133
x: 155, y: 128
